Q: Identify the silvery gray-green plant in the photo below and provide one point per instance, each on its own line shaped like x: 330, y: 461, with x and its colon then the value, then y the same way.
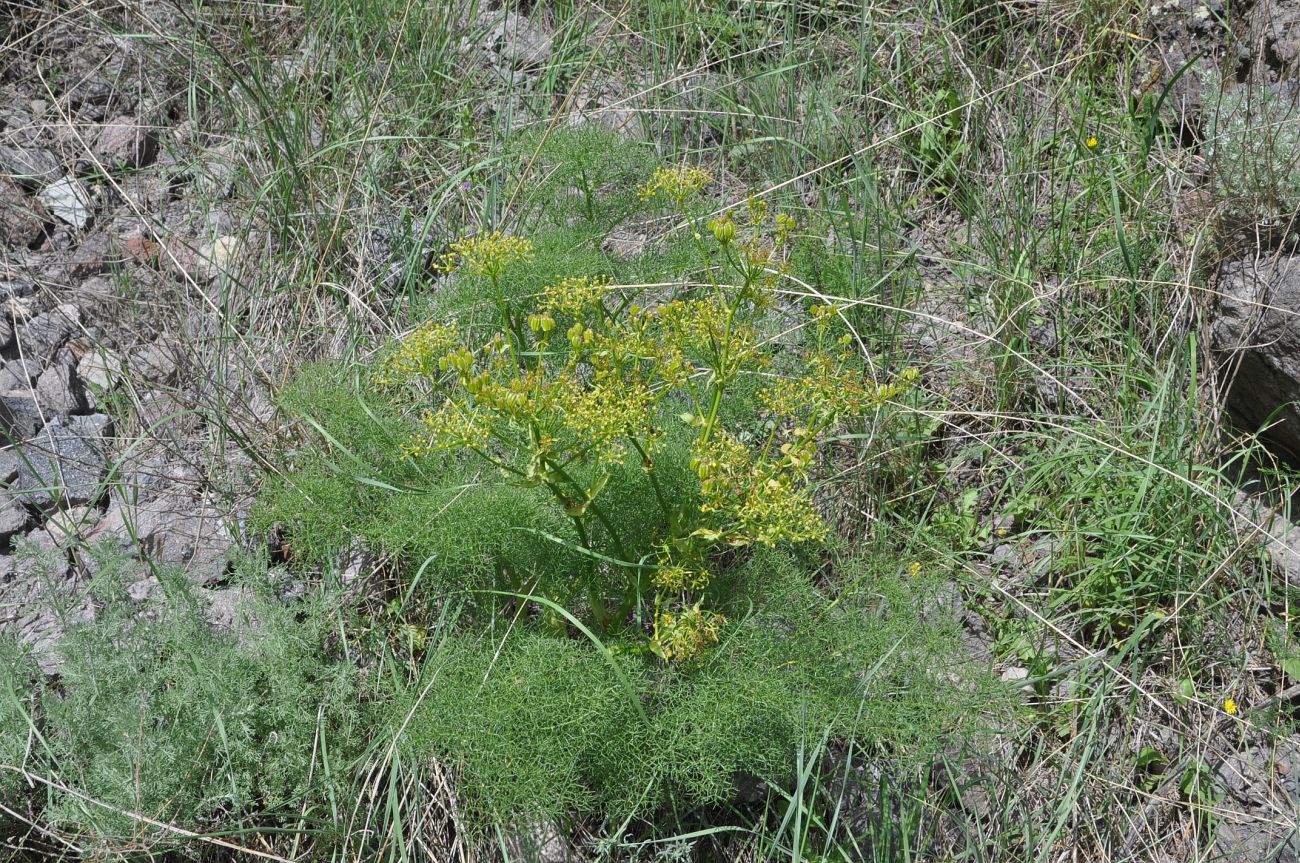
x: 1254, y: 153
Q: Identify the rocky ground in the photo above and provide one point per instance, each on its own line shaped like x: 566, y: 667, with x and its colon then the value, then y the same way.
x: 102, y: 239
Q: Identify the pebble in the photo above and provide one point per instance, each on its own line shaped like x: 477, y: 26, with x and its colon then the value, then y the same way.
x: 69, y: 202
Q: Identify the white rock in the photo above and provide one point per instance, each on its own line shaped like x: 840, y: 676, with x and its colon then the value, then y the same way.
x: 100, y: 368
x: 219, y: 258
x: 68, y: 201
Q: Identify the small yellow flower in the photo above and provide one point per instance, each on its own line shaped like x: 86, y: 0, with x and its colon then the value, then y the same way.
x: 914, y: 569
x: 1230, y: 707
x: 1092, y: 142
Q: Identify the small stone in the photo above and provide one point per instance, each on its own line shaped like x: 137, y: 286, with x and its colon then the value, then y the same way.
x: 124, y: 143
x: 90, y: 258
x: 140, y: 249
x: 38, y: 106
x: 13, y: 376
x: 44, y: 334
x: 12, y: 289
x: 215, y: 178
x: 22, y: 220
x: 222, y: 608
x: 100, y: 369
x: 143, y: 590
x: 40, y: 597
x: 539, y: 842
x: 71, y: 524
x: 218, y: 258
x: 14, y: 518
x: 20, y: 418
x: 155, y: 362
x: 1004, y: 555
x: 1015, y: 674
x: 29, y: 166
x: 172, y: 528
x: 520, y: 42
x: 57, y: 391
x: 69, y: 201
x: 20, y: 308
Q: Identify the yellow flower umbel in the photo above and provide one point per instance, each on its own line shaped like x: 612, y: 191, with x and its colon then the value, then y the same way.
x: 418, y: 353
x: 683, y: 636
x: 575, y: 296
x: 674, y: 184
x: 488, y: 254
x: 754, y: 500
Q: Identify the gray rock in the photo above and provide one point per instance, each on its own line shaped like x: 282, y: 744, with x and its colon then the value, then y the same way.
x: 143, y: 590
x: 171, y: 528
x: 69, y: 202
x: 44, y: 334
x: 16, y: 288
x: 22, y: 220
x: 20, y: 418
x: 1255, y: 786
x: 57, y: 390
x: 124, y: 142
x: 40, y: 596
x: 13, y: 376
x: 155, y: 362
x: 1015, y: 675
x: 223, y: 609
x: 30, y: 166
x: 219, y: 258
x: 542, y: 842
x: 14, y: 518
x: 71, y: 524
x: 63, y: 464
x: 1273, y: 32
x: 98, y: 372
x: 1004, y: 556
x: 1256, y: 334
x: 1259, y: 841
x: 90, y: 259
x: 520, y: 42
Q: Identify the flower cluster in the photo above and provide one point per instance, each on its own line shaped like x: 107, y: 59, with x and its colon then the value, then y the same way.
x: 828, y: 390
x: 606, y: 415
x: 417, y: 354
x: 674, y: 184
x: 703, y: 326
x: 685, y: 635
x: 756, y: 500
x: 488, y: 254
x: 575, y: 296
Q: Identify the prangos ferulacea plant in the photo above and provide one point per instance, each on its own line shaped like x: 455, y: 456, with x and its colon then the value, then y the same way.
x: 566, y: 389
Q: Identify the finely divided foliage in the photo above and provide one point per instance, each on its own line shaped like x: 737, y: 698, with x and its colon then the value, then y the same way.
x: 684, y: 412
